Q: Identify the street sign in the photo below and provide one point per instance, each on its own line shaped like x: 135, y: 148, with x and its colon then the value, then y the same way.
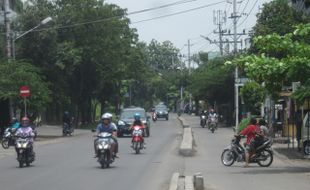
x: 24, y: 91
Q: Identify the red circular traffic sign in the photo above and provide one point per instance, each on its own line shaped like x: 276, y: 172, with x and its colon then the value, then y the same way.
x: 24, y: 91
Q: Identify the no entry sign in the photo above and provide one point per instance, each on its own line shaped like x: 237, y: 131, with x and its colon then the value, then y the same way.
x: 24, y: 91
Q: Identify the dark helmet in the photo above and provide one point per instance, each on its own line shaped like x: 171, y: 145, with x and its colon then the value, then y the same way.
x: 262, y: 122
x: 253, y: 121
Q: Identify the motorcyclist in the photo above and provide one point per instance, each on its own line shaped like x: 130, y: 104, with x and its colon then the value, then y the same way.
x: 138, y: 122
x: 67, y: 119
x: 14, y: 123
x: 115, y: 129
x: 106, y: 126
x: 25, y: 130
x: 250, y: 132
x: 212, y: 115
x: 203, y: 113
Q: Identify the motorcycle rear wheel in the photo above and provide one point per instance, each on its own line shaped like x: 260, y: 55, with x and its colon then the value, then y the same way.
x: 228, y: 154
x: 5, y: 143
x: 21, y: 164
x: 266, y: 163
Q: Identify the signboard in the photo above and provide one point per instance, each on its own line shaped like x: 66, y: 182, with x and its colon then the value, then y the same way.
x: 24, y: 91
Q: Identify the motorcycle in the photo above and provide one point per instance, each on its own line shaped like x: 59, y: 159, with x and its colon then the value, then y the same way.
x: 154, y: 117
x: 212, y: 124
x: 24, y: 149
x: 137, y: 139
x: 67, y: 129
x: 105, y: 154
x: 34, y: 129
x: 203, y: 121
x: 8, y: 138
x: 235, y: 152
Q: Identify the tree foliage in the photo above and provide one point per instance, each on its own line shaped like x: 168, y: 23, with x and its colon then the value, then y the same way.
x: 281, y: 60
x: 15, y: 74
x: 213, y: 81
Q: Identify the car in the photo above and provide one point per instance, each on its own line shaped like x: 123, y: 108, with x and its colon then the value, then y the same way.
x: 162, y: 112
x: 126, y: 119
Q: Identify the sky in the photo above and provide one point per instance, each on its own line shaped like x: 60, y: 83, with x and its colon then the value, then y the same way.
x: 191, y: 25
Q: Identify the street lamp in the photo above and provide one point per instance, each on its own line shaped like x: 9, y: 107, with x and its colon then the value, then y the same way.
x: 43, y: 22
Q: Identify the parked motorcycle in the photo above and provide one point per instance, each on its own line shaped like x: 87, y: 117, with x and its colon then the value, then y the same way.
x: 235, y: 152
x: 203, y: 121
x: 8, y: 138
x: 137, y: 139
x: 154, y: 116
x: 24, y: 149
x: 105, y: 154
x: 67, y: 129
x: 212, y: 124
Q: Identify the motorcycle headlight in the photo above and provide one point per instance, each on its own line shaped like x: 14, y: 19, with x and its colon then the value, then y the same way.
x: 18, y: 145
x: 121, y: 123
x: 24, y: 145
x: 106, y: 146
x: 100, y: 146
x: 203, y: 117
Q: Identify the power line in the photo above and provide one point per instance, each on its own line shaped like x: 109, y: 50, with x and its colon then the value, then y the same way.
x: 161, y: 6
x: 247, y: 16
x: 136, y: 12
x: 180, y: 12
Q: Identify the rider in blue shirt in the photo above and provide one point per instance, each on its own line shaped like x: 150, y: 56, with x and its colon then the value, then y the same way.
x: 15, y: 124
x: 106, y: 127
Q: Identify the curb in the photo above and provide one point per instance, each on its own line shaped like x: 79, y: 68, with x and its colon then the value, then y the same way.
x: 189, y: 182
x: 174, y: 181
x: 183, y: 122
x: 186, y: 147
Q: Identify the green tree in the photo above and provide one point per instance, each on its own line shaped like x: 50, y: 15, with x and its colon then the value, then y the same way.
x: 15, y: 74
x: 278, y: 17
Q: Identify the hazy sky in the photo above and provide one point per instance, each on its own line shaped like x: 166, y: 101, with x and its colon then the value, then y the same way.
x: 178, y: 29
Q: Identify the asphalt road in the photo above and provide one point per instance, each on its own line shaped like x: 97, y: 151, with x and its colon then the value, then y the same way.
x: 68, y: 163
x: 283, y: 174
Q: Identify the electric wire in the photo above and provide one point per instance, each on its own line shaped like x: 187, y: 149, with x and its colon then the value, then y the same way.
x: 132, y: 13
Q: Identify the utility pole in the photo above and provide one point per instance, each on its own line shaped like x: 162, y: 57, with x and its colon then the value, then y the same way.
x: 189, y: 55
x: 189, y: 67
x: 219, y: 18
x: 7, y: 22
x: 234, y: 16
x: 7, y: 29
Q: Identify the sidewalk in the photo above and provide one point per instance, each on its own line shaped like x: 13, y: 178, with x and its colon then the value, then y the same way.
x: 281, y: 150
x: 55, y: 131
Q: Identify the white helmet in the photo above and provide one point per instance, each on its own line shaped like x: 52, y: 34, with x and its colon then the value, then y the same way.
x: 110, y: 115
x: 106, y: 116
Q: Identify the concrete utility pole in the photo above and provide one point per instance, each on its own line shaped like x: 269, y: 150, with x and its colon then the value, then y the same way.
x: 7, y: 22
x: 234, y: 17
x: 7, y: 28
x: 189, y: 55
x: 189, y: 66
x: 219, y: 18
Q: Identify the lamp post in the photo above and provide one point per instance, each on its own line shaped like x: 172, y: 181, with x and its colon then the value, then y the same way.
x: 43, y: 22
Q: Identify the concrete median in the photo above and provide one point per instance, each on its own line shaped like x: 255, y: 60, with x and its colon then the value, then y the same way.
x: 186, y: 147
x: 174, y: 181
x: 184, y: 123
